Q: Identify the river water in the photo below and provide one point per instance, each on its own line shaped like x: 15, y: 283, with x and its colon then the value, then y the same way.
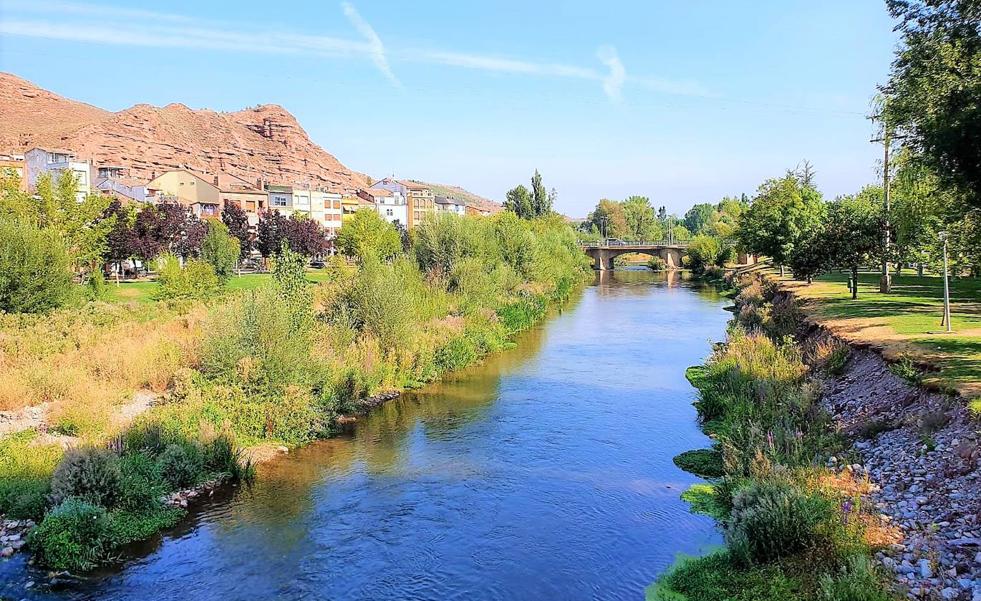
x: 544, y: 473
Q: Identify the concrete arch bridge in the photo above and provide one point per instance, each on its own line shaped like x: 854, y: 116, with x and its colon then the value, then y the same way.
x: 603, y: 253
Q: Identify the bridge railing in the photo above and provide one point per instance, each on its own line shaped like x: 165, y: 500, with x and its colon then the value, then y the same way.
x: 615, y: 243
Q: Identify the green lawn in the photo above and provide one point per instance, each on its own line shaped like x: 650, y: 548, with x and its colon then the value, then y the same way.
x: 143, y: 291
x: 906, y: 321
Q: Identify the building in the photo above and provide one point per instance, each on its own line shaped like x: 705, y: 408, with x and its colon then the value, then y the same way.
x: 253, y: 199
x: 113, y: 181
x: 351, y: 204
x: 187, y: 189
x: 421, y: 202
x: 321, y: 206
x: 54, y: 162
x: 390, y: 205
x: 446, y: 204
x: 13, y: 163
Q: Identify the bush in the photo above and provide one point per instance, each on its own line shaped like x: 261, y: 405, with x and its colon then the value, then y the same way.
x: 770, y: 520
x: 856, y: 582
x: 703, y: 251
x: 25, y: 475
x: 368, y: 236
x: 180, y: 466
x: 35, y: 271
x: 89, y: 474
x: 716, y: 577
x: 75, y: 535
x: 141, y: 483
x: 657, y: 264
x: 195, y: 280
x: 220, y: 250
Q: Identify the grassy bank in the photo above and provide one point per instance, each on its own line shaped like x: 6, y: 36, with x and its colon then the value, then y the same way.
x: 905, y: 322
x: 273, y: 360
x: 793, y: 529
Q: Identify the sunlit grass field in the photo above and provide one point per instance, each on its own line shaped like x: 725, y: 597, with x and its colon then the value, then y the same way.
x: 906, y: 321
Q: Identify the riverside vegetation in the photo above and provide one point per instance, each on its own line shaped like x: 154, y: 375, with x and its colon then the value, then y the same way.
x: 236, y: 368
x: 793, y: 528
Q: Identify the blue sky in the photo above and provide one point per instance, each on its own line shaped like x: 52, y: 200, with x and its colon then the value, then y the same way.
x: 681, y: 101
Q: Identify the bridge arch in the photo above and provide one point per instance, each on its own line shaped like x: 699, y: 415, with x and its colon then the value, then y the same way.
x: 603, y: 255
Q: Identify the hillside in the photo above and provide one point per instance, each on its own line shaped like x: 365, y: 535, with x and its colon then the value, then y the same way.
x: 262, y: 143
x: 469, y: 197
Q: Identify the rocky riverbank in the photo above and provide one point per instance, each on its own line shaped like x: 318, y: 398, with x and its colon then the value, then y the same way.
x: 919, y: 449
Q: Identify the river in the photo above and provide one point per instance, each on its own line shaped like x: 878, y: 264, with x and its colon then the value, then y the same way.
x: 544, y: 473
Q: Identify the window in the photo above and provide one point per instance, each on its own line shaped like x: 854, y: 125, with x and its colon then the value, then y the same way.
x: 279, y: 201
x: 389, y: 212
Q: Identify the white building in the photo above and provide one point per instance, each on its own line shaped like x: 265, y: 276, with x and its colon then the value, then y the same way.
x: 390, y: 205
x: 446, y: 204
x: 38, y: 161
x: 323, y: 207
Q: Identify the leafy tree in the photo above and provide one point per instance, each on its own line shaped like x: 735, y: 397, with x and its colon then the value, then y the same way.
x: 237, y: 221
x: 368, y: 236
x: 704, y: 251
x: 610, y: 219
x: 305, y: 236
x: 35, y: 271
x: 518, y: 201
x: 196, y: 279
x: 121, y: 240
x: 180, y: 231
x: 698, y: 217
x: 540, y: 200
x: 934, y: 92
x: 641, y: 220
x: 271, y: 232
x: 780, y: 216
x: 220, y: 250
x: 81, y: 225
x: 850, y: 236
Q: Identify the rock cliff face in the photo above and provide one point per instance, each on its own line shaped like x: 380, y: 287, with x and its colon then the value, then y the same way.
x: 265, y: 143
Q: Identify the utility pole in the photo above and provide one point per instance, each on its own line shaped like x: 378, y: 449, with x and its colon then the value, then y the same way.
x: 885, y: 280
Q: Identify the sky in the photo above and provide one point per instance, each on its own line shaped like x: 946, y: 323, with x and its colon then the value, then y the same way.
x: 679, y: 101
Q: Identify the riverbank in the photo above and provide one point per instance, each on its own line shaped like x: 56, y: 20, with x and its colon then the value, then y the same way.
x: 909, y: 454
x: 272, y: 367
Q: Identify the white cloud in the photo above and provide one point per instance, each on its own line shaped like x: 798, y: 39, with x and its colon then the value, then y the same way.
x: 92, y: 23
x: 613, y: 82
x: 374, y: 42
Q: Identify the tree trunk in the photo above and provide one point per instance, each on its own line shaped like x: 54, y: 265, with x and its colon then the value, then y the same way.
x: 781, y: 271
x: 854, y: 282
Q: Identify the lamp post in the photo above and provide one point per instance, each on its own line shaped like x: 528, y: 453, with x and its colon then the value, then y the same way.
x: 603, y: 221
x: 946, y: 318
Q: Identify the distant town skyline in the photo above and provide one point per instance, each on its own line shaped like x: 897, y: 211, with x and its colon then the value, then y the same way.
x: 682, y: 104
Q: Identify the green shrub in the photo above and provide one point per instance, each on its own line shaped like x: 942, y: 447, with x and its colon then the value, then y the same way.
x: 90, y: 474
x: 180, y: 466
x: 657, y: 264
x: 195, y: 280
x: 220, y: 250
x: 856, y: 582
x: 74, y: 536
x: 703, y: 499
x: 35, y: 270
x: 97, y: 289
x: 142, y: 484
x: 906, y: 369
x: 132, y: 525
x: 770, y: 520
x: 705, y: 463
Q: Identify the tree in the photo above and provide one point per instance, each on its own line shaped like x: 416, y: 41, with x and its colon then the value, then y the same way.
x: 367, y: 236
x: 934, y: 92
x: 35, y: 273
x: 83, y: 226
x: 237, y: 221
x: 698, y: 217
x: 780, y: 216
x: 271, y: 232
x: 704, y: 251
x: 179, y: 230
x: 220, y: 250
x: 540, y: 200
x: 641, y: 220
x: 519, y: 202
x: 610, y: 219
x: 850, y: 236
x: 121, y: 241
x: 305, y: 236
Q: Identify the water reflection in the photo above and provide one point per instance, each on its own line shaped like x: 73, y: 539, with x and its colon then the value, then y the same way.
x: 544, y: 473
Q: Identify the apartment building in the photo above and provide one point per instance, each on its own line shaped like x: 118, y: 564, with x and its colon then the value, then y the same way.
x: 446, y: 204
x: 188, y: 189
x: 390, y: 205
x: 55, y: 161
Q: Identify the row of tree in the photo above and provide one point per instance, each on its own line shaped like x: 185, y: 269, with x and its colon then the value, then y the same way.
x: 635, y: 219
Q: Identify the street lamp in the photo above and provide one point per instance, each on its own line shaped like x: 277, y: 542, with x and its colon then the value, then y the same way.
x: 603, y: 221
x: 946, y: 318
